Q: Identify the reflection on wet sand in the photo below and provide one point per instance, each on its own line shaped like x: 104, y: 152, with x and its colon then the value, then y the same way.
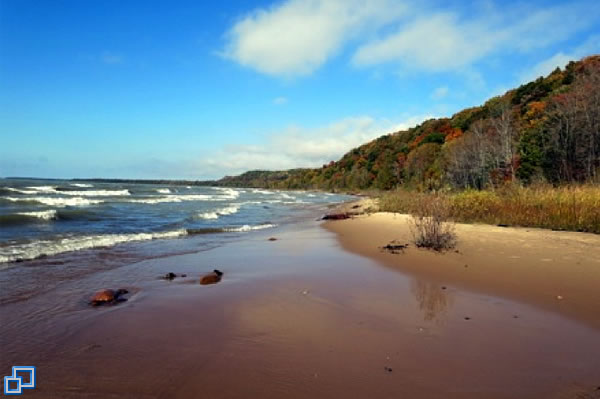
x: 433, y: 300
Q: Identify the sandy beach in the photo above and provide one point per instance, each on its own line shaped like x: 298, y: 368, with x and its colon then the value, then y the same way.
x: 558, y: 271
x: 322, y: 313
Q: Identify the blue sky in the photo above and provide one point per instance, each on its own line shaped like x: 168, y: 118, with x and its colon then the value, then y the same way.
x: 194, y: 90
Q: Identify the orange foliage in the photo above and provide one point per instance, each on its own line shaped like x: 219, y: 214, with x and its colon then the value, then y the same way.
x: 456, y: 133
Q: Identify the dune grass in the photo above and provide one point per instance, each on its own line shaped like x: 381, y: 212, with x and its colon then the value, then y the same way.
x: 573, y: 208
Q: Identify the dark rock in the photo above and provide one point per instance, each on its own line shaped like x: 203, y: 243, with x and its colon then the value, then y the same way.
x: 272, y: 239
x: 502, y: 225
x: 356, y: 206
x: 467, y: 318
x: 443, y: 287
x: 105, y: 297
x: 395, y: 248
x: 388, y: 369
x: 336, y: 216
x: 169, y: 276
x: 211, y: 278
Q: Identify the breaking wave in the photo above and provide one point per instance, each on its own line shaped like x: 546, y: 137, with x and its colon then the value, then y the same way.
x: 40, y: 248
x: 220, y: 212
x: 56, y: 201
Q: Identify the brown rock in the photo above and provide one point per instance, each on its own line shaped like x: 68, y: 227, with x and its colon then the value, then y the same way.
x: 211, y: 278
x: 107, y: 296
x: 272, y: 239
x: 102, y: 296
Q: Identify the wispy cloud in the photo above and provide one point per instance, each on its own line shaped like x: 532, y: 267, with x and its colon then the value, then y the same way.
x: 298, y: 146
x: 280, y: 100
x: 445, y: 41
x: 296, y: 37
x: 590, y: 46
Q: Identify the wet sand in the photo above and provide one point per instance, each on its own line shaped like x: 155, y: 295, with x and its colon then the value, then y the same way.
x: 299, y: 317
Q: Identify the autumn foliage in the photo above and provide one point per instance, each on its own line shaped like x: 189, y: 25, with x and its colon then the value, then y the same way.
x: 545, y: 131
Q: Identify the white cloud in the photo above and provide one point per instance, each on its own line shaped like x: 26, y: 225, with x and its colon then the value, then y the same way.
x: 280, y: 101
x: 297, y: 146
x: 296, y: 37
x: 439, y: 93
x: 441, y: 41
x: 436, y: 42
x: 561, y: 59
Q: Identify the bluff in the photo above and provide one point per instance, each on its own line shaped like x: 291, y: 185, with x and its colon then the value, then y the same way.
x: 546, y: 130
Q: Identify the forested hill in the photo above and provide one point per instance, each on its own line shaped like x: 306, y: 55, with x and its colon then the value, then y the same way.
x: 545, y: 130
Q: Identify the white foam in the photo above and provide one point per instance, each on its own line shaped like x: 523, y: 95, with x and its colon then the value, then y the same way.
x: 44, y: 215
x: 96, y: 193
x: 163, y: 190
x: 220, y: 212
x: 39, y: 248
x: 43, y: 189
x: 16, y: 190
x: 174, y: 198
x: 81, y: 193
x: 209, y: 215
x: 257, y: 191
x: 284, y: 195
x: 82, y: 185
x: 247, y: 227
x: 227, y: 193
x: 56, y: 201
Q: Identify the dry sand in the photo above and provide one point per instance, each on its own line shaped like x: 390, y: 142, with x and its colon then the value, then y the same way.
x: 558, y: 271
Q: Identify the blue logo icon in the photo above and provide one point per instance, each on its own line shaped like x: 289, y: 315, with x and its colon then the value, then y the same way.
x: 14, y: 384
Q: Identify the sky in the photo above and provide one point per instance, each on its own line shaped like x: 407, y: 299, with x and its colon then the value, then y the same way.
x: 199, y: 90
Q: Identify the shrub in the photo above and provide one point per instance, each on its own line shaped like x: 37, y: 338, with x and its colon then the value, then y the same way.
x: 430, y: 226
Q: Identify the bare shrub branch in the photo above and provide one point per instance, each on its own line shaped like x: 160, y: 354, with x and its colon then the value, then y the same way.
x: 430, y: 224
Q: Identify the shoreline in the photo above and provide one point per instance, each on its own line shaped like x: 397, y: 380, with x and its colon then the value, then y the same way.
x: 554, y: 270
x: 298, y: 317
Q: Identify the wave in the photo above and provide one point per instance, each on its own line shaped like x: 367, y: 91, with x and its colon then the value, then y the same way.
x: 43, y: 189
x: 55, y: 201
x: 174, y: 198
x: 163, y: 191
x: 28, y: 217
x: 39, y: 248
x: 44, y: 215
x: 220, y: 212
x: 69, y: 191
x: 82, y: 185
x: 247, y: 227
x: 96, y: 193
x: 238, y: 229
x: 16, y: 190
x: 227, y: 193
x: 257, y: 191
